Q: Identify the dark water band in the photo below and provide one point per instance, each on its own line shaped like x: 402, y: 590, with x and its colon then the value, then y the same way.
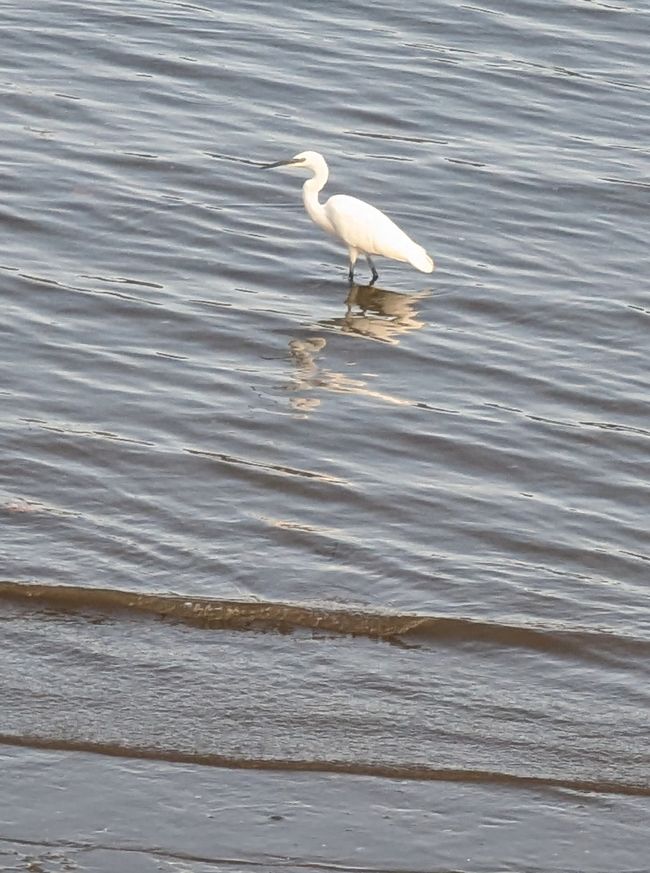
x: 414, y: 628
x: 352, y: 768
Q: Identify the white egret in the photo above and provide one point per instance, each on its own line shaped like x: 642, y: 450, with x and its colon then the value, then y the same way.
x: 363, y: 228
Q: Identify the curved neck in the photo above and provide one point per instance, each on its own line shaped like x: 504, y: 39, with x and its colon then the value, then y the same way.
x: 314, y: 207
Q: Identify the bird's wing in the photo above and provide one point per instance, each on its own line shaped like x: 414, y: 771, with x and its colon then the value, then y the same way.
x: 366, y: 228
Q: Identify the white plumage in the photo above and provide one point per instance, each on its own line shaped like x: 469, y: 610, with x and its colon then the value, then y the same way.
x: 364, y: 229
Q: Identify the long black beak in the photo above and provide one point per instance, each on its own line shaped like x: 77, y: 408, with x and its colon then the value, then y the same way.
x: 279, y: 164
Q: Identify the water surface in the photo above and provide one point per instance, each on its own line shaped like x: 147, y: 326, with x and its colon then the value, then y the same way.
x: 428, y: 497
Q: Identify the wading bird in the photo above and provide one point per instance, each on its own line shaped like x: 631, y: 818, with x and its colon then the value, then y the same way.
x: 364, y: 229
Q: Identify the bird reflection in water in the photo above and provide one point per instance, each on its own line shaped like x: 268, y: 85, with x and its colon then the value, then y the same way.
x: 371, y: 312
x: 379, y: 314
x: 307, y: 375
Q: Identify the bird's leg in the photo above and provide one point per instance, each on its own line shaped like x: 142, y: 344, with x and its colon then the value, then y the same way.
x: 353, y: 255
x: 375, y: 274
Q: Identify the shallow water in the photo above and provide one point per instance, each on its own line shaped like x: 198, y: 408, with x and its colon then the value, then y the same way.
x: 431, y: 495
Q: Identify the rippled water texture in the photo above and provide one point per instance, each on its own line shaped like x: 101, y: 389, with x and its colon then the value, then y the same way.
x: 368, y: 566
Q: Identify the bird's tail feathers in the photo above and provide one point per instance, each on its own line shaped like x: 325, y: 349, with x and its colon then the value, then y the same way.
x: 421, y: 260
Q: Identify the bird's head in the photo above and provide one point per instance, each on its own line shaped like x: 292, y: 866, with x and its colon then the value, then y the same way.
x: 311, y: 161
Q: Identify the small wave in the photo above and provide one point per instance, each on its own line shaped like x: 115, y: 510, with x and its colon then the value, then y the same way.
x: 406, y: 628
x: 411, y: 772
x: 396, y: 138
x: 124, y: 280
x: 274, y: 468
